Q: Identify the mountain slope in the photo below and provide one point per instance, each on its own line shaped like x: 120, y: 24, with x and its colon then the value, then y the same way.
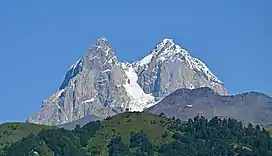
x: 185, y: 103
x: 99, y: 84
x: 91, y: 86
x: 141, y: 133
x: 12, y: 132
x: 169, y: 67
x: 122, y: 124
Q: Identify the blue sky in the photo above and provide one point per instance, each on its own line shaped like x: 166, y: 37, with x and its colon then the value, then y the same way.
x: 39, y: 40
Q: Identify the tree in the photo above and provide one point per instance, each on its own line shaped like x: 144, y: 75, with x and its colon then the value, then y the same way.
x: 162, y: 115
x: 87, y: 131
x: 141, y: 143
x: 117, y: 147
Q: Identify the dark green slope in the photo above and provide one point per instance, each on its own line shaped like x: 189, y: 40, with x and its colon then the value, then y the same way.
x: 144, y: 134
x: 153, y: 126
x: 14, y: 131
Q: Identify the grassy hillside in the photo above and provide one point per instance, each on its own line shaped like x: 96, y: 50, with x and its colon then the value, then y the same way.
x: 139, y: 134
x: 14, y: 131
x: 122, y: 124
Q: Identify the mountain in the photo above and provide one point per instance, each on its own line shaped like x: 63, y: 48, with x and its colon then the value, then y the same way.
x: 248, y: 107
x: 99, y: 84
x: 141, y: 133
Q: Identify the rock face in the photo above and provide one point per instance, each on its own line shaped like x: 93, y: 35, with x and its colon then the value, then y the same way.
x: 100, y: 85
x: 169, y: 67
x: 185, y: 103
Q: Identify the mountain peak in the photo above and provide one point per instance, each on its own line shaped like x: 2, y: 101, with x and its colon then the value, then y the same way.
x: 158, y: 50
x: 102, y: 41
x: 167, y: 50
x: 99, y: 52
x: 99, y: 84
x: 103, y: 38
x: 102, y: 47
x: 165, y: 40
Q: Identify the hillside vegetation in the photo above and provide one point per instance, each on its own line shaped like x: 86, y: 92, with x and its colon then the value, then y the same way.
x: 144, y: 134
x: 14, y: 131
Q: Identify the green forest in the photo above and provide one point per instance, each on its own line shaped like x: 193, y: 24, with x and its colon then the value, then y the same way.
x: 138, y: 134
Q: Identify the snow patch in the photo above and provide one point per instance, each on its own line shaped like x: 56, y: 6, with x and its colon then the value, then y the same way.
x: 191, y: 86
x: 79, y: 62
x: 89, y: 100
x: 93, y: 58
x: 110, y: 61
x: 59, y: 92
x: 107, y: 51
x: 189, y: 106
x: 139, y: 100
x: 146, y: 60
x: 107, y: 70
x: 153, y: 103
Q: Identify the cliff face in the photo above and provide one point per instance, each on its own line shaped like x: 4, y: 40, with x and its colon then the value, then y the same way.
x: 169, y: 67
x: 100, y: 85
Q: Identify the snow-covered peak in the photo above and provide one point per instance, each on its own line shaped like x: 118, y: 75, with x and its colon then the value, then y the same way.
x: 147, y: 59
x: 167, y: 50
x: 164, y: 42
x: 103, y: 44
x: 103, y: 39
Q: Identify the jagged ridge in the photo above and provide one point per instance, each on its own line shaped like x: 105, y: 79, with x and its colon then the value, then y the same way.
x: 168, y: 50
x: 99, y: 84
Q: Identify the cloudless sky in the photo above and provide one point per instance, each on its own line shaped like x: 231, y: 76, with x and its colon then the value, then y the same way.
x: 39, y: 40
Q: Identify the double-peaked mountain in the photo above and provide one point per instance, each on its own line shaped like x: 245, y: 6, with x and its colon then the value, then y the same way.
x: 249, y: 107
x: 100, y: 85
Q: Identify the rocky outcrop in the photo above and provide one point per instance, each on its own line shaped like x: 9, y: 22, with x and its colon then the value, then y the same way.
x: 100, y: 85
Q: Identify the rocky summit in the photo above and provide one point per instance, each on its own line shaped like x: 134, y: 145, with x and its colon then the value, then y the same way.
x: 100, y: 85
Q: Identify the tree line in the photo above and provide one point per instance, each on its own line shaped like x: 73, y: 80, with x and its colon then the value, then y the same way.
x: 195, y: 137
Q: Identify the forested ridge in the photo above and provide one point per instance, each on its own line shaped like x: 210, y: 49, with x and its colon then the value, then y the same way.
x: 144, y: 134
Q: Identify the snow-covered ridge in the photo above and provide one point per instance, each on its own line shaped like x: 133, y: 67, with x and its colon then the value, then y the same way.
x: 167, y: 50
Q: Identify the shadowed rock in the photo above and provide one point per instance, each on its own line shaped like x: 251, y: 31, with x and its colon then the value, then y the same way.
x: 81, y: 122
x: 248, y: 107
